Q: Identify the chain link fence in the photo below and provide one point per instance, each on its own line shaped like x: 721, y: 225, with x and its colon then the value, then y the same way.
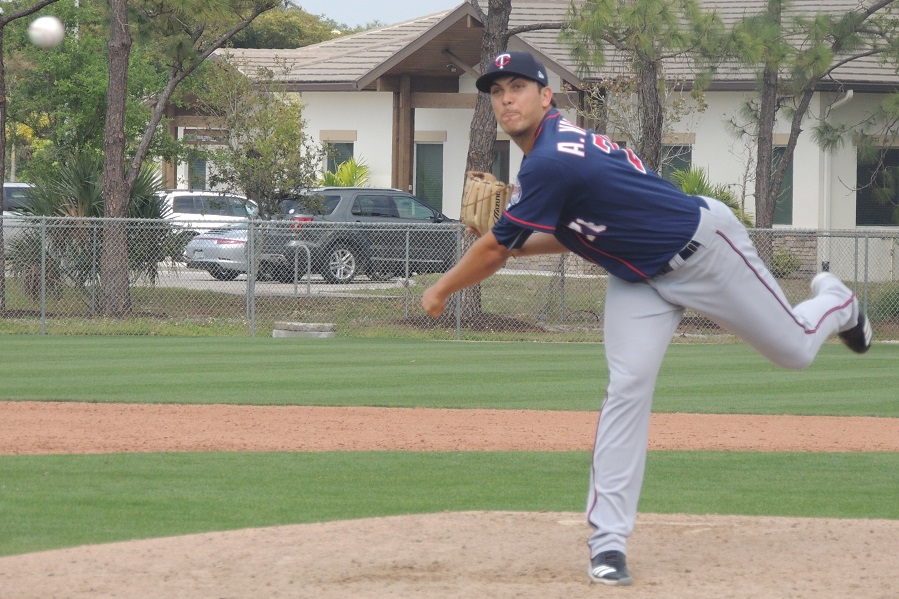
x: 366, y: 279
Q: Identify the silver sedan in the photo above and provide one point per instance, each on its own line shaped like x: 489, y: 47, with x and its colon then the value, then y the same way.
x: 220, y: 252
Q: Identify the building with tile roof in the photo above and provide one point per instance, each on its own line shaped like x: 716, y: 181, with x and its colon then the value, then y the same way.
x: 401, y: 98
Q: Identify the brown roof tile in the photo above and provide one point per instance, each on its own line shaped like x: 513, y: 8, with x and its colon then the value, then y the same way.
x: 417, y: 46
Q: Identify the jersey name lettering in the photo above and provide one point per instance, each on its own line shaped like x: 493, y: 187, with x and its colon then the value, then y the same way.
x: 570, y: 147
x: 565, y: 126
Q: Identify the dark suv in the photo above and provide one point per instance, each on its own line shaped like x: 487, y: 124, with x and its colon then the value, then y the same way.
x: 348, y: 231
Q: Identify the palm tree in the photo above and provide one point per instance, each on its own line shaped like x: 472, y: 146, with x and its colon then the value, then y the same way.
x: 351, y: 173
x: 695, y: 182
x: 71, y: 247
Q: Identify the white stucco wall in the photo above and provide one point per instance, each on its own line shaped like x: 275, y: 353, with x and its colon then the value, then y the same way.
x: 368, y: 114
x: 808, y: 180
x: 729, y: 159
x: 823, y: 195
x: 844, y: 164
x: 455, y: 124
x: 717, y: 150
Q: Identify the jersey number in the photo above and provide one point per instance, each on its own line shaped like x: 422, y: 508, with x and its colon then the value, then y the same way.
x: 606, y: 145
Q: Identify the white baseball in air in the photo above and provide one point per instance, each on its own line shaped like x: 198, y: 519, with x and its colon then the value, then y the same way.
x: 46, y: 32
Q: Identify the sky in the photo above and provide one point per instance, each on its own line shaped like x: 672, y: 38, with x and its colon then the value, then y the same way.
x: 361, y: 12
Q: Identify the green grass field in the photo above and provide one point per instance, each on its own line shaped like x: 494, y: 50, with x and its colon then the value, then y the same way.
x: 56, y: 501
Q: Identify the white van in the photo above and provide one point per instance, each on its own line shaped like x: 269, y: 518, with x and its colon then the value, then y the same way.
x: 15, y: 199
x: 201, y: 211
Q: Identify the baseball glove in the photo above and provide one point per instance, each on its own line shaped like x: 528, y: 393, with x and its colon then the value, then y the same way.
x: 483, y: 201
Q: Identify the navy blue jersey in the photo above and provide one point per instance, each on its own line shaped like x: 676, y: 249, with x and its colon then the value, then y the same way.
x: 599, y: 201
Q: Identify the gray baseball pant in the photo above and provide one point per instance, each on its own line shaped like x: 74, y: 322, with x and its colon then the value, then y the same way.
x: 726, y: 281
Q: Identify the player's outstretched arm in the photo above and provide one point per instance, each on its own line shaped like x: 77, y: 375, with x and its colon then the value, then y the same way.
x: 481, y: 260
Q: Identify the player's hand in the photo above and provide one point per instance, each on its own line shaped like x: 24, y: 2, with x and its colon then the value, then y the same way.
x: 433, y: 302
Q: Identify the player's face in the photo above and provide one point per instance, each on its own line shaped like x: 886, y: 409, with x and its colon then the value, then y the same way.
x: 519, y: 104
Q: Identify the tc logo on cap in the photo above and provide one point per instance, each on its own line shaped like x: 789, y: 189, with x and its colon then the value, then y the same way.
x: 510, y: 63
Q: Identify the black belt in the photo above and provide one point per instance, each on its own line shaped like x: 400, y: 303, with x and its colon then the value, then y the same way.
x: 692, y: 246
x: 685, y: 253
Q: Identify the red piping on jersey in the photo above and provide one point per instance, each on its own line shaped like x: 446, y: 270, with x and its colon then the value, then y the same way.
x: 552, y: 229
x: 580, y: 238
x: 611, y: 257
x: 543, y: 122
x: 527, y: 224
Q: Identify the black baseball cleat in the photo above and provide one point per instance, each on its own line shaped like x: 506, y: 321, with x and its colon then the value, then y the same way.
x: 859, y: 337
x: 609, y: 567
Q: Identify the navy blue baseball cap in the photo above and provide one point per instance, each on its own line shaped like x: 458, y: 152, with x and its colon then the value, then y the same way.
x: 522, y: 64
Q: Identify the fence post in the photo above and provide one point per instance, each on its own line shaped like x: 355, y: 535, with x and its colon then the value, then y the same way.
x: 43, y: 276
x: 459, y: 234
x: 296, y: 270
x: 94, y: 277
x: 867, y: 270
x: 251, y: 277
x: 406, y: 275
x: 562, y: 260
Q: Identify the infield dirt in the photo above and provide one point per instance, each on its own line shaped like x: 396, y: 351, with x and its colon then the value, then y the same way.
x: 470, y: 554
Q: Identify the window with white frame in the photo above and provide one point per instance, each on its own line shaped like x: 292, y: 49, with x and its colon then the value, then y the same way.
x: 877, y: 198
x: 336, y: 153
x: 201, y: 141
x: 196, y: 173
x: 339, y: 146
x: 675, y: 158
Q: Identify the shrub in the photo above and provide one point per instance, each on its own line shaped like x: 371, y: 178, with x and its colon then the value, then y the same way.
x: 694, y: 181
x: 886, y: 305
x: 784, y: 263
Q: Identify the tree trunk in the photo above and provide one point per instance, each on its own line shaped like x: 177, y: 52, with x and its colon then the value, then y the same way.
x: 482, y: 136
x: 764, y: 194
x: 115, y: 296
x: 779, y: 173
x: 2, y: 175
x: 653, y: 111
x: 764, y: 200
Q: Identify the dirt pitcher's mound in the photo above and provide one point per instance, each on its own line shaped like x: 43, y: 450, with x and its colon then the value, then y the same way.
x: 448, y: 555
x: 451, y: 555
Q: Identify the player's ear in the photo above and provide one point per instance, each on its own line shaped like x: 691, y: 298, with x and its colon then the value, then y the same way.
x: 546, y: 96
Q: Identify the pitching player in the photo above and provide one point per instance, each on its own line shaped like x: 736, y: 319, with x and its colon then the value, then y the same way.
x: 664, y: 251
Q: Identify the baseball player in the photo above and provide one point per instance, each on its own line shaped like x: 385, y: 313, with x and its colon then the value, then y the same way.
x: 664, y: 251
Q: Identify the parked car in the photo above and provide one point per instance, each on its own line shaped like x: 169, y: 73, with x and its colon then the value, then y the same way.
x: 220, y: 252
x: 343, y: 232
x: 200, y: 211
x: 349, y: 231
x: 223, y: 253
x: 15, y: 196
x: 15, y: 199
